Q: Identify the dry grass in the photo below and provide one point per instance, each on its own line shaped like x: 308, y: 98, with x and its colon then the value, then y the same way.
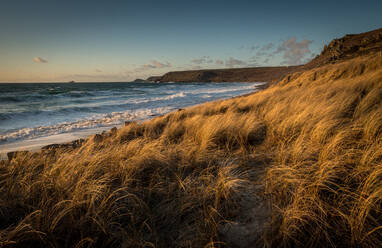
x: 310, y: 146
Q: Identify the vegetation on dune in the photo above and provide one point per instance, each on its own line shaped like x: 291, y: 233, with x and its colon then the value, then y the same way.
x: 298, y: 164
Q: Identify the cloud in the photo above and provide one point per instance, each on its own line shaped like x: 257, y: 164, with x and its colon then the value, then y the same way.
x: 40, y: 60
x: 219, y: 62
x: 261, y: 53
x: 98, y: 70
x: 154, y: 64
x: 198, y: 61
x: 254, y: 47
x: 231, y: 62
x: 294, y: 52
x: 95, y: 77
x: 268, y: 46
x: 253, y: 61
x: 203, y: 60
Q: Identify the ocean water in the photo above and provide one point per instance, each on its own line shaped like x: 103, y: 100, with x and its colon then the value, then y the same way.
x: 34, y: 111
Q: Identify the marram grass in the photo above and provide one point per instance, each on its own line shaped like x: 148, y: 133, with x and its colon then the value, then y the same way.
x: 297, y: 164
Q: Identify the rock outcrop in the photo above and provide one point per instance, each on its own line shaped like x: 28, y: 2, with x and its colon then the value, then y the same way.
x: 139, y: 80
x: 347, y: 47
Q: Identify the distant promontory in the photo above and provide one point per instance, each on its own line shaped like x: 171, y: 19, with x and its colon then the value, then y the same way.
x: 341, y: 49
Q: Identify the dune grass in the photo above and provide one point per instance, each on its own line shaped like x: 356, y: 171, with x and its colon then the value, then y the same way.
x: 298, y: 164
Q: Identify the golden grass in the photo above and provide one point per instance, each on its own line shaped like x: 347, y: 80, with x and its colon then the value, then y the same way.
x: 298, y: 164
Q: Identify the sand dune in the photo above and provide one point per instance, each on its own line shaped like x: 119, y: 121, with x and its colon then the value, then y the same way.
x: 295, y: 165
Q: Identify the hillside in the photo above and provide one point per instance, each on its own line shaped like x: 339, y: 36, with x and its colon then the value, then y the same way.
x: 258, y: 74
x: 298, y: 164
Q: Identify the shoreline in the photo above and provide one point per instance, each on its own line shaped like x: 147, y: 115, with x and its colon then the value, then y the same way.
x: 37, y: 144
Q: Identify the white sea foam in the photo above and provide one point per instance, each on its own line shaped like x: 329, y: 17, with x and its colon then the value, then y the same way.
x: 154, y: 99
x: 63, y: 115
x: 206, y: 96
x: 96, y: 121
x: 224, y: 90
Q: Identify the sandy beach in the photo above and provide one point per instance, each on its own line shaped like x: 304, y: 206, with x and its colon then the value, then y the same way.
x: 85, y: 110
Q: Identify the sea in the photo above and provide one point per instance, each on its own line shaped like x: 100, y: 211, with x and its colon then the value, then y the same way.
x: 36, y: 114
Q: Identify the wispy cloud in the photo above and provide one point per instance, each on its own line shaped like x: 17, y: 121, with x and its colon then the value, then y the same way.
x: 95, y: 77
x: 261, y: 53
x: 203, y: 60
x: 265, y: 50
x: 254, y: 47
x: 268, y: 46
x: 158, y: 64
x: 40, y: 60
x: 219, y: 62
x: 253, y: 61
x: 294, y: 52
x: 231, y: 62
x: 155, y: 64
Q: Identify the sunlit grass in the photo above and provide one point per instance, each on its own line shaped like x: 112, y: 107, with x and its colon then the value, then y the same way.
x: 307, y: 151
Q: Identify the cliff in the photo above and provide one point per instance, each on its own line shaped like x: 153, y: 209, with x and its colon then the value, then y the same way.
x: 257, y: 74
x: 347, y: 47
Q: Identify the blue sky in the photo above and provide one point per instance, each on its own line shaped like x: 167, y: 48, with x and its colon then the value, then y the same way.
x: 53, y: 41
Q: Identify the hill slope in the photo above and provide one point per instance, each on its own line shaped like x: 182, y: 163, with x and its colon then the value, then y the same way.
x: 296, y: 165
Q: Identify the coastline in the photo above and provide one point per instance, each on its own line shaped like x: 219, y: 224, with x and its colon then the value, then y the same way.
x: 67, y: 139
x: 243, y: 75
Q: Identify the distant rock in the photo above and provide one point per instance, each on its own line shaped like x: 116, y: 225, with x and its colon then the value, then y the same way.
x: 71, y: 145
x: 139, y: 80
x: 154, y: 79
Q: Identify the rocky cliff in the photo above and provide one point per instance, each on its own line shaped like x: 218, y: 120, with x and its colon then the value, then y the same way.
x: 347, y: 47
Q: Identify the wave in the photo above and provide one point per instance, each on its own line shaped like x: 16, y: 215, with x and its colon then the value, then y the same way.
x: 7, y: 99
x: 91, y: 107
x: 180, y: 94
x: 107, y: 103
x: 154, y: 99
x: 96, y: 121
x: 225, y: 90
x: 86, y: 107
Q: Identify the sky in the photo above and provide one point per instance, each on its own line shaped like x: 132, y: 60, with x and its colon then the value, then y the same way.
x: 121, y: 40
